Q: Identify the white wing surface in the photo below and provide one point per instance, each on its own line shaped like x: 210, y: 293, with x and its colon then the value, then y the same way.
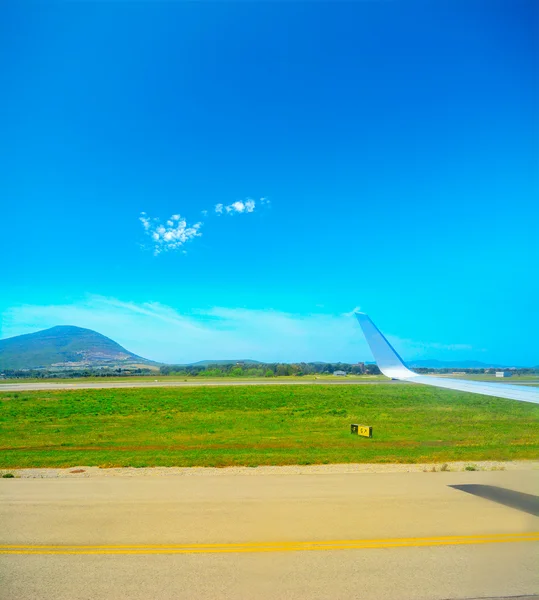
x: 392, y: 365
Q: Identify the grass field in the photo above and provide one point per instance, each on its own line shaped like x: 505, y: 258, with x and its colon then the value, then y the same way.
x: 266, y: 425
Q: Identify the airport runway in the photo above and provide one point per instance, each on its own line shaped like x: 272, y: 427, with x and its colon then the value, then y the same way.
x: 368, y: 536
x: 82, y: 385
x: 26, y: 387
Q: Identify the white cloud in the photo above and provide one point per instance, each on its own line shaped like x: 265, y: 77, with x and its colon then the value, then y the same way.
x: 239, y: 207
x: 236, y: 207
x: 171, y: 236
x: 162, y: 333
x: 175, y: 233
x: 146, y: 222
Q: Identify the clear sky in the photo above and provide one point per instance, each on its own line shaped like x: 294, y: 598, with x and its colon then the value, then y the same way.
x: 381, y: 154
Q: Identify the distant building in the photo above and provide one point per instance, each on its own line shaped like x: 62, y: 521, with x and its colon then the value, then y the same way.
x: 340, y: 373
x: 504, y: 374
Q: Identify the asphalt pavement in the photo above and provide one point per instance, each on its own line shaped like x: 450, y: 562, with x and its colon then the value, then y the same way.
x: 370, y: 536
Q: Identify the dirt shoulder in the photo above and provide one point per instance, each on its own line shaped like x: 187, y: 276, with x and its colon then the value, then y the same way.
x: 83, y: 471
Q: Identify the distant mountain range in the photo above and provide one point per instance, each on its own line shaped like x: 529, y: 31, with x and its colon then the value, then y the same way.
x: 65, y: 346
x: 452, y: 364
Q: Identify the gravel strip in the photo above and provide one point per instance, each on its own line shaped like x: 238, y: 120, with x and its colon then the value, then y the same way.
x: 77, y: 472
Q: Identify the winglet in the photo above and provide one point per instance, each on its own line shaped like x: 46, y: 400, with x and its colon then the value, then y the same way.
x: 387, y: 359
x: 392, y: 365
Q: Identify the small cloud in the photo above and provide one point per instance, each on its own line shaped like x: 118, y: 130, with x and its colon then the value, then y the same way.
x: 175, y: 232
x: 239, y: 207
x: 145, y: 221
x: 170, y: 237
x: 235, y: 207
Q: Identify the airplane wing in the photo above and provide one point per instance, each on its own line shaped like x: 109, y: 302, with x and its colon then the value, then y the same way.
x: 392, y: 365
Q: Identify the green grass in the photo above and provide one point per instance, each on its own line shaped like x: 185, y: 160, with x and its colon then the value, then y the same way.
x: 266, y: 425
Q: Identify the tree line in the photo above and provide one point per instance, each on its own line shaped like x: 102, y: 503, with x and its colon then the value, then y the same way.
x: 479, y: 371
x: 237, y: 370
x: 268, y: 369
x: 72, y: 373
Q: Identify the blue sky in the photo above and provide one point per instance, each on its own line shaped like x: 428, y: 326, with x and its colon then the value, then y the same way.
x: 395, y: 143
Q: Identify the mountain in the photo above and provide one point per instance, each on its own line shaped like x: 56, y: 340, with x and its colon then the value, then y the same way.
x: 64, y: 346
x: 452, y: 364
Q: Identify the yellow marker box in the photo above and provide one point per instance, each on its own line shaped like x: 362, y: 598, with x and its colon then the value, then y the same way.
x: 363, y: 430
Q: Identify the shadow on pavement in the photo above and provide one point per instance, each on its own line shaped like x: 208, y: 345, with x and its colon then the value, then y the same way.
x: 524, y: 502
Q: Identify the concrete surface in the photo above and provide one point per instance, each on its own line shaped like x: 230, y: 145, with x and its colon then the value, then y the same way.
x: 153, y: 537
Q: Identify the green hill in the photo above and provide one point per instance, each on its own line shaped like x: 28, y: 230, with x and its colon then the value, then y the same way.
x: 64, y: 346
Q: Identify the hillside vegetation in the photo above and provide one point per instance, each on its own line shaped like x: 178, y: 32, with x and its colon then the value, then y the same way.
x: 63, y: 346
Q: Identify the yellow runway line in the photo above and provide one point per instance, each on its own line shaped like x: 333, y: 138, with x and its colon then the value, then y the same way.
x: 283, y: 546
